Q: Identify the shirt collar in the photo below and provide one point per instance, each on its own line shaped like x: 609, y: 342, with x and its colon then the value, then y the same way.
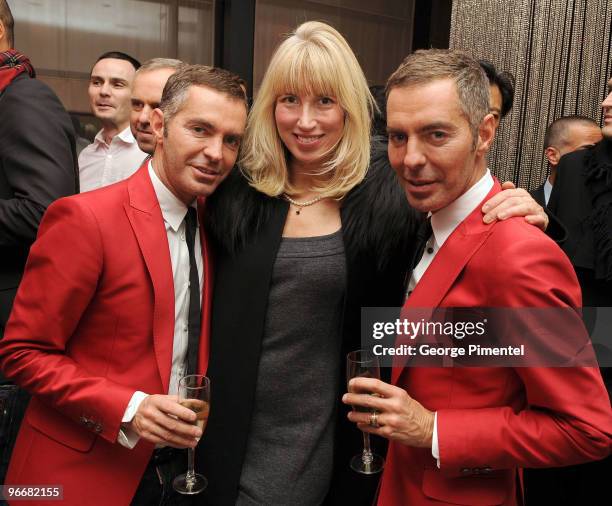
x: 446, y: 220
x: 125, y: 136
x: 99, y: 138
x: 173, y: 210
x: 547, y: 190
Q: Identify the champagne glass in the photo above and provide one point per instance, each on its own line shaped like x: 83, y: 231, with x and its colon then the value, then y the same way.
x: 194, y: 394
x: 363, y: 363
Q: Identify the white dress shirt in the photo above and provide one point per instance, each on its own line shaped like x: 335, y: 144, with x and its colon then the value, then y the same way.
x: 101, y: 164
x: 443, y: 224
x: 173, y: 212
x: 547, y: 191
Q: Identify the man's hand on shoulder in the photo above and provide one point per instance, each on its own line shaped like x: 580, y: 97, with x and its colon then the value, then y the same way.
x: 160, y: 419
x: 512, y: 202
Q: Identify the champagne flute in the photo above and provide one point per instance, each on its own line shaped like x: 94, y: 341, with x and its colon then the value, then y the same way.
x: 363, y: 363
x: 194, y: 394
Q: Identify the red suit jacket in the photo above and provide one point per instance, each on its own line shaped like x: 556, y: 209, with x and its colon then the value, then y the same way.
x: 488, y: 424
x: 93, y: 322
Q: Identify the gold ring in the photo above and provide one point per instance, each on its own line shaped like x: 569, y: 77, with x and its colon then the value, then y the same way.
x: 374, y: 419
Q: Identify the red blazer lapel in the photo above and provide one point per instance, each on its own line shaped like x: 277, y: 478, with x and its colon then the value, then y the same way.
x: 446, y: 267
x: 146, y: 219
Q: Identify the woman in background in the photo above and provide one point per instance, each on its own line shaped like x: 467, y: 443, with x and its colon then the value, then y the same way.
x: 313, y: 228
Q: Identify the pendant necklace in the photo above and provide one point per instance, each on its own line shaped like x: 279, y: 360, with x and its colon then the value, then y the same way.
x: 300, y: 205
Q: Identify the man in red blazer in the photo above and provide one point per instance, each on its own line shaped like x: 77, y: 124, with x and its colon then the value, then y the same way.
x: 459, y: 435
x: 100, y: 332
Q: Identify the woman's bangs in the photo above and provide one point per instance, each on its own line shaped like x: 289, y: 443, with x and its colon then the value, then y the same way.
x: 305, y: 74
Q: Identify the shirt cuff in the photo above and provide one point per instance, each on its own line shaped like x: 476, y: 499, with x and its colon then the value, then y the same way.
x: 127, y: 437
x: 435, y: 449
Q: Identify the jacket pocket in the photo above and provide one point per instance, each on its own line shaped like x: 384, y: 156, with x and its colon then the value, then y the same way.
x: 51, y: 423
x: 481, y: 490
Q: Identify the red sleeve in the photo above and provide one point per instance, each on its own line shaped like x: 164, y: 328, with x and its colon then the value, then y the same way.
x: 567, y: 419
x: 60, y: 279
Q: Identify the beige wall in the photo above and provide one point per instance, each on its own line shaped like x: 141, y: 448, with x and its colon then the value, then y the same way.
x: 380, y: 32
x: 64, y: 37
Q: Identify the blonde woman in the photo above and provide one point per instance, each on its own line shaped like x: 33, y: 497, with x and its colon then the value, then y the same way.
x: 313, y: 228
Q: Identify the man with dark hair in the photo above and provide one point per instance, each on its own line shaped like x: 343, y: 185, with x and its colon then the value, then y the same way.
x: 147, y: 91
x: 114, y: 309
x: 501, y: 90
x: 565, y: 135
x: 582, y: 200
x: 459, y: 435
x: 114, y: 154
x: 37, y: 166
x: 118, y: 55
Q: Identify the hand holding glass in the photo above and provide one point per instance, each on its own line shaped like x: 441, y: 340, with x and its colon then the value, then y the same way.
x: 194, y: 394
x: 363, y: 363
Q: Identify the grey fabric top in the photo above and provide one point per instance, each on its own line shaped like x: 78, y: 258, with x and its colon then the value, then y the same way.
x: 290, y: 446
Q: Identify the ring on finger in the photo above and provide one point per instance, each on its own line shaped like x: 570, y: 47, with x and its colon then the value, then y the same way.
x: 374, y: 419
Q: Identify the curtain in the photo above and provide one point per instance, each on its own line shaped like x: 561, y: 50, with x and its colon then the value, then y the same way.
x: 560, y: 52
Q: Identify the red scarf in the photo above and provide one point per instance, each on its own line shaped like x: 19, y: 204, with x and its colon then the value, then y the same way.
x: 13, y: 63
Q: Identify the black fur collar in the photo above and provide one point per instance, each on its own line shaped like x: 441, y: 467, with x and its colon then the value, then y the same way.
x: 376, y: 218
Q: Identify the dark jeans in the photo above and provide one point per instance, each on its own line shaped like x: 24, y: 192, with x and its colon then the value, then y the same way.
x: 13, y: 400
x: 156, y: 484
x: 13, y: 403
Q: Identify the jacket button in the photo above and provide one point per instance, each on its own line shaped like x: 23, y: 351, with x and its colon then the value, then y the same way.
x: 466, y: 470
x: 486, y: 470
x: 98, y: 428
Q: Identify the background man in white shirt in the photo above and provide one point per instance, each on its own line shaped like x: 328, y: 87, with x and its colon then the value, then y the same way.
x: 114, y: 154
x: 101, y: 329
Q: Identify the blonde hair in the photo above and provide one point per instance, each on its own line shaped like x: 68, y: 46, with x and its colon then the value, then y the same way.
x: 313, y: 60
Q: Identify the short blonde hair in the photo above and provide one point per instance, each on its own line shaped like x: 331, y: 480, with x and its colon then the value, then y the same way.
x: 313, y: 60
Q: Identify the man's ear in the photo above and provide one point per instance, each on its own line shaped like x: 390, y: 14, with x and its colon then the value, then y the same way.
x: 552, y: 155
x: 157, y: 124
x: 486, y: 134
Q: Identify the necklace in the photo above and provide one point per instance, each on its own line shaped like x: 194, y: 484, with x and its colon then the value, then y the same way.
x: 299, y: 205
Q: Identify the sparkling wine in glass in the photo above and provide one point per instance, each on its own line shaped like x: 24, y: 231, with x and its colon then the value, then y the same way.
x: 194, y: 394
x: 363, y: 363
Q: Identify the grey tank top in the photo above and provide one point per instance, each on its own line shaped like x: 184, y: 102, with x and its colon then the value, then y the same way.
x: 289, y: 452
